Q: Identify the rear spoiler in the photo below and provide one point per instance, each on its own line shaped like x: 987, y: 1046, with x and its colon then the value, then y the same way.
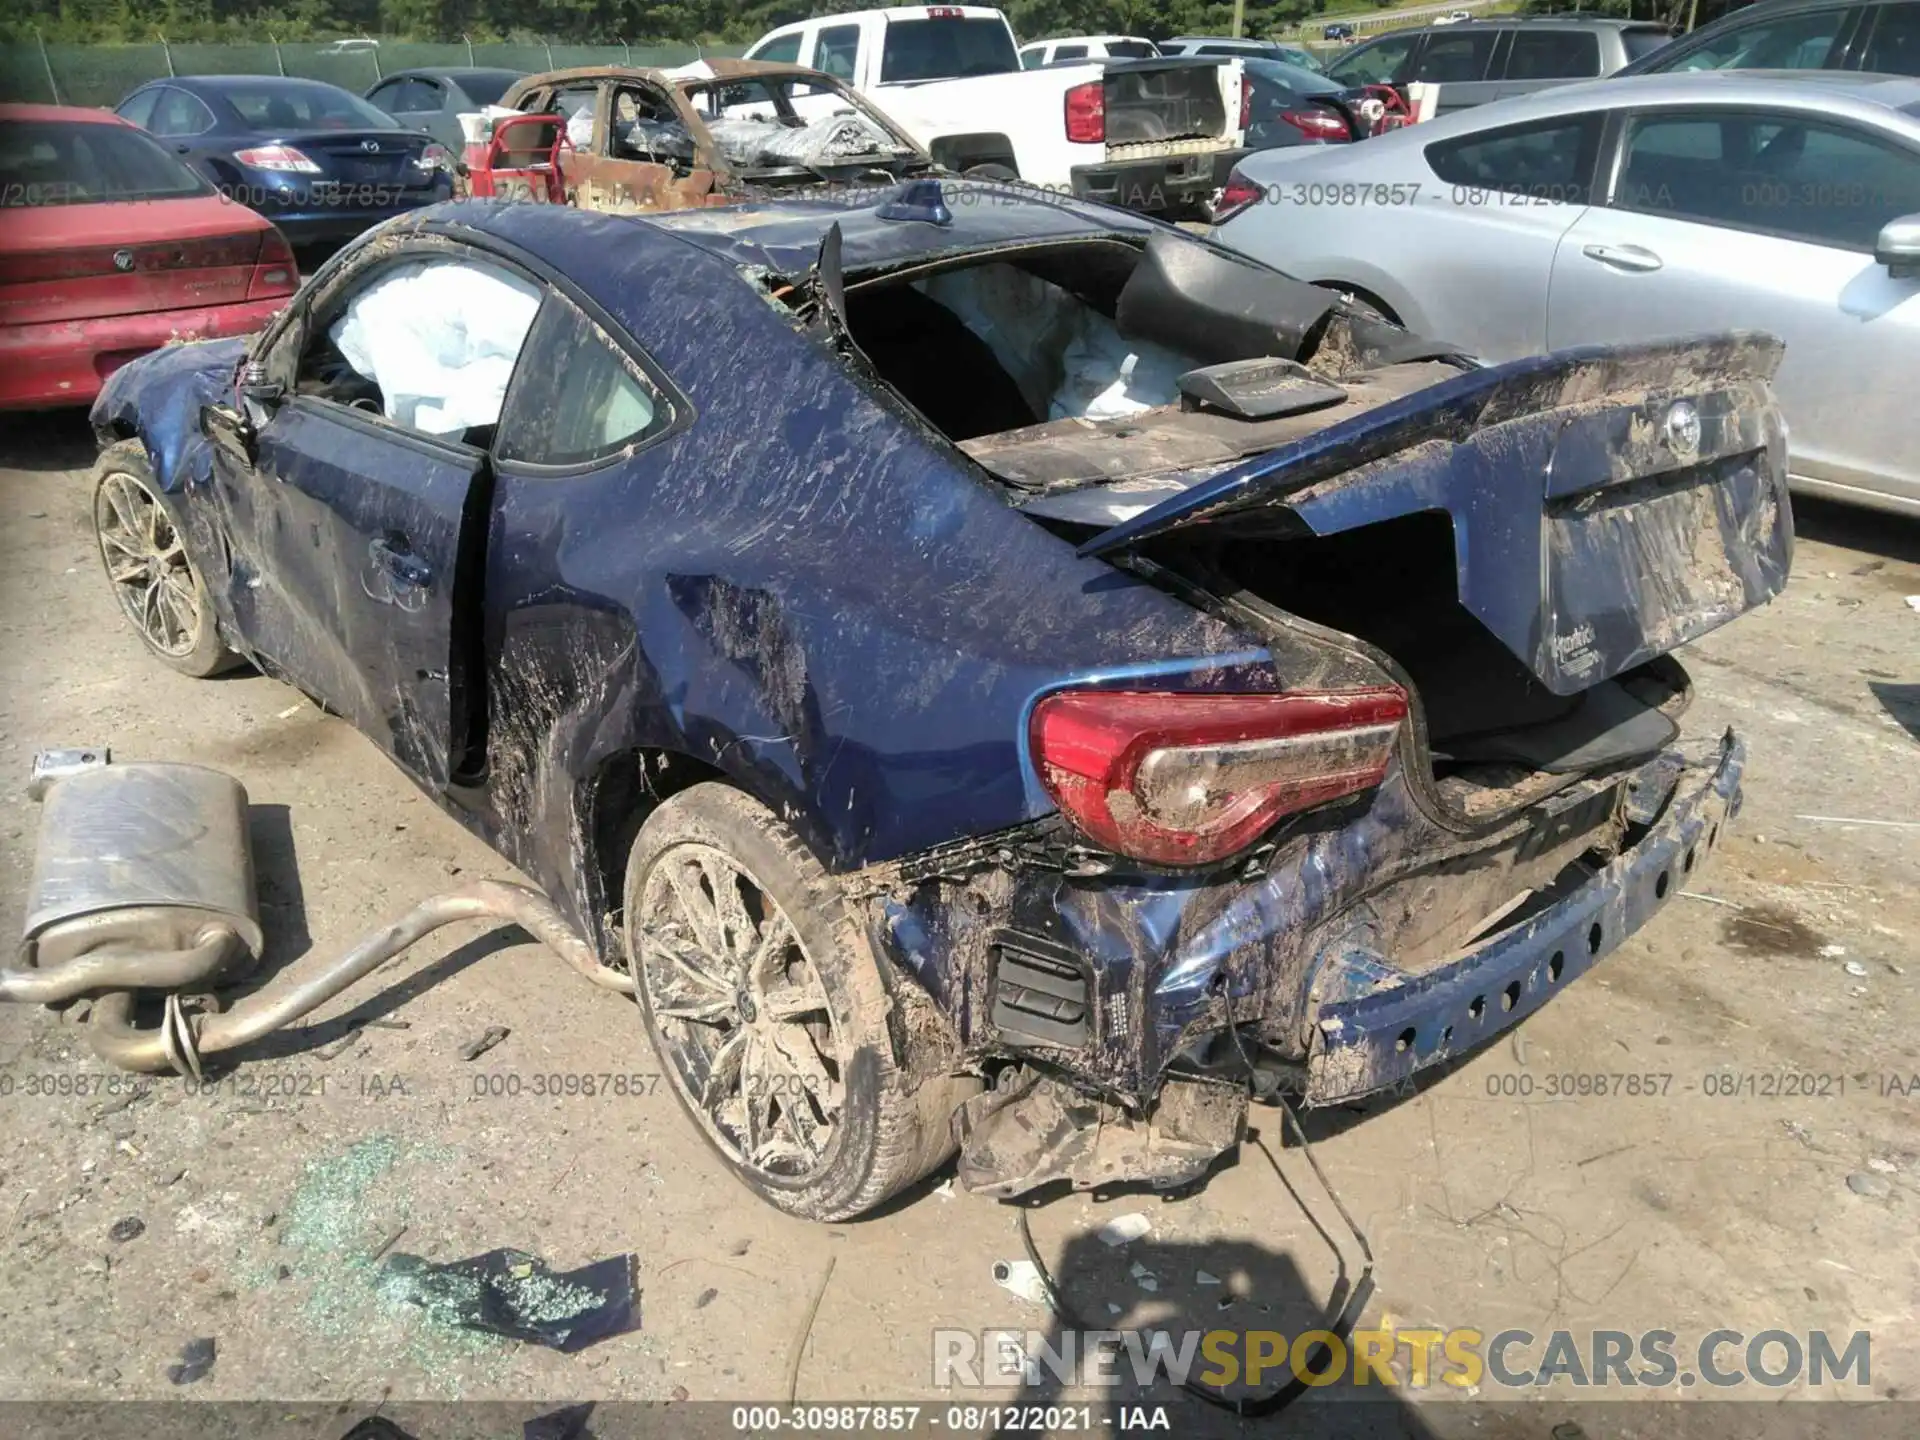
x: 1454, y: 411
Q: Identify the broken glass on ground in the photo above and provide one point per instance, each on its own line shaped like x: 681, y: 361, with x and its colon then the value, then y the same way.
x: 512, y: 1293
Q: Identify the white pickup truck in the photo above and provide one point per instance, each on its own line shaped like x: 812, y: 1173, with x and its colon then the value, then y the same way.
x: 1150, y: 134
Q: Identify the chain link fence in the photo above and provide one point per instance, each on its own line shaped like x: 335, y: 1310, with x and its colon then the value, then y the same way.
x: 103, y: 74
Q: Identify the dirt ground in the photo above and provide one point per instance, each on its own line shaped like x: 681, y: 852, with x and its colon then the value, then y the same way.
x: 1489, y: 1201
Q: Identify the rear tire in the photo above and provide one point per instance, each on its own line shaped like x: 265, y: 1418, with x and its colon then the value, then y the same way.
x: 137, y: 532
x: 767, y: 1008
x: 991, y: 171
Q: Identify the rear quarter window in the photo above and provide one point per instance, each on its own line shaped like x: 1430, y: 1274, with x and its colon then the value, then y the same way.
x: 577, y: 398
x: 1550, y: 161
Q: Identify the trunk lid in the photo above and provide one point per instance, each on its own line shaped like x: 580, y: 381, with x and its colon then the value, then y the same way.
x: 366, y: 157
x: 87, y: 262
x: 1151, y: 102
x: 1607, y: 504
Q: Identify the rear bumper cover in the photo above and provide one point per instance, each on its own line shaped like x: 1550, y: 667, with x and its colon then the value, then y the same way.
x: 1040, y: 1128
x: 1163, y: 182
x: 65, y: 362
x: 1378, y: 1040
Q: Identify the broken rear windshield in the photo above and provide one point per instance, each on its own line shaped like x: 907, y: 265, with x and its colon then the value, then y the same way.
x: 46, y: 162
x: 946, y: 49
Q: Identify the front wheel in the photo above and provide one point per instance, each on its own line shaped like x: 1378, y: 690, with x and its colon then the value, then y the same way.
x: 153, y: 578
x: 767, y: 1007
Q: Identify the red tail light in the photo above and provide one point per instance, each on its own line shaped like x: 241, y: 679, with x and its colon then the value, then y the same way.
x: 1087, y: 113
x: 278, y: 158
x: 1317, y: 124
x: 1184, y: 779
x: 274, y: 272
x: 1238, y: 194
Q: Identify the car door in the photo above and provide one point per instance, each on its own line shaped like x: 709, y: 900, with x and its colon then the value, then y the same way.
x: 1460, y: 60
x: 1764, y: 220
x: 1796, y: 40
x: 1377, y: 62
x: 1888, y: 40
x: 355, y: 502
x: 420, y: 104
x: 184, y: 123
x: 1537, y: 58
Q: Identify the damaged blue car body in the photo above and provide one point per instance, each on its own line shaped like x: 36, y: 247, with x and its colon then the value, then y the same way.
x: 1279, y: 721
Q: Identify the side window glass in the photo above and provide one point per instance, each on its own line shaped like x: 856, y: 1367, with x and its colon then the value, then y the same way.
x: 1793, y: 42
x: 1821, y: 184
x: 1894, y: 48
x: 835, y: 49
x: 646, y: 127
x: 415, y: 97
x: 1552, y: 55
x: 1373, y: 64
x: 1456, y: 58
x: 577, y: 106
x: 1551, y: 161
x: 782, y: 50
x: 428, y: 344
x: 578, y: 397
x: 139, y: 110
x: 1070, y: 52
x: 179, y: 113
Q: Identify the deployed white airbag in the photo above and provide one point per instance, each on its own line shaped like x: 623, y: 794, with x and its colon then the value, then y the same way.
x: 1067, y: 358
x: 439, y: 338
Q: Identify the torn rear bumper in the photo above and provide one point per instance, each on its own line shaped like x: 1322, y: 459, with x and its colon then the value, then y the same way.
x: 1033, y: 1129
x: 1377, y: 1040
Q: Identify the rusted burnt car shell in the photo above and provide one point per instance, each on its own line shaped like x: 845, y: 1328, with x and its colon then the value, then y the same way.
x: 597, y: 176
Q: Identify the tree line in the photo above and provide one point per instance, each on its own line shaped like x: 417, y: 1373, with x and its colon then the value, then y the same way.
x: 635, y: 21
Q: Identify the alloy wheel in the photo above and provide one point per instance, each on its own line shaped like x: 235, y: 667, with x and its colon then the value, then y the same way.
x: 742, y: 1011
x: 147, y: 564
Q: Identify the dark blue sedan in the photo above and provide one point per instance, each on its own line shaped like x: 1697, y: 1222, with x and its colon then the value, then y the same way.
x: 318, y: 161
x: 996, y: 671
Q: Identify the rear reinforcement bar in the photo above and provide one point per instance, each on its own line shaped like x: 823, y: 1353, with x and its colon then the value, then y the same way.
x: 1381, y: 1039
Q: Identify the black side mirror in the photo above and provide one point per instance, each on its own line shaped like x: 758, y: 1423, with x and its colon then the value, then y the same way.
x: 229, y: 430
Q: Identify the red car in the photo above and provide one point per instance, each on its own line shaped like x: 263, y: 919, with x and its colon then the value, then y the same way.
x: 109, y: 248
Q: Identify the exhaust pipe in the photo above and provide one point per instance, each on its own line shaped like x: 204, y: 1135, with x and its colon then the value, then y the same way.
x: 143, y: 881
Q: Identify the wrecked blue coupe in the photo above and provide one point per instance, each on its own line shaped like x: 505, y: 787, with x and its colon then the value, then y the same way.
x: 1003, y: 673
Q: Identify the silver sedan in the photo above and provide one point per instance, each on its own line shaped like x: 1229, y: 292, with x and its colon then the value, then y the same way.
x: 1631, y: 209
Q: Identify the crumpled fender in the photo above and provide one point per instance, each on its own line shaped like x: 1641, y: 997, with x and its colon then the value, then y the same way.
x: 158, y: 398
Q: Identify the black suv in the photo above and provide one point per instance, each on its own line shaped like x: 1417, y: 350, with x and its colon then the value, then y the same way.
x: 1474, y: 61
x: 1799, y: 35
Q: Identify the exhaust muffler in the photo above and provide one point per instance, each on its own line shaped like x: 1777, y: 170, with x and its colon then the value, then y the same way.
x: 143, y: 881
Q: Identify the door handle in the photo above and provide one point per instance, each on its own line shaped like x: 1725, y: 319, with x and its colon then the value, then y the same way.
x: 1635, y: 258
x: 397, y: 561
